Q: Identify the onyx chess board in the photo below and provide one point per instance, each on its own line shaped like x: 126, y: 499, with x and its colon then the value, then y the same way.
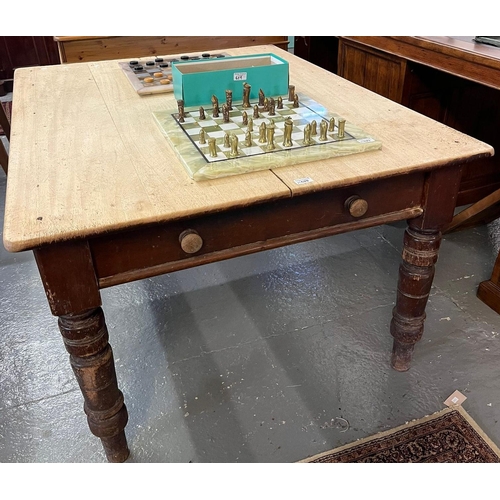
x: 187, y: 141
x: 152, y: 75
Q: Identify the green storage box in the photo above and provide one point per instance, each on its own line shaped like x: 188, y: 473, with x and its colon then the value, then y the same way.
x: 196, y: 81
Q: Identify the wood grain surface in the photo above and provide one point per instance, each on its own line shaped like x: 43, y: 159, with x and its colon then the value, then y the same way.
x: 87, y: 156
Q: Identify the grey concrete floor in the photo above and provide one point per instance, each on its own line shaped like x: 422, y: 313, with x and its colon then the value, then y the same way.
x: 271, y: 357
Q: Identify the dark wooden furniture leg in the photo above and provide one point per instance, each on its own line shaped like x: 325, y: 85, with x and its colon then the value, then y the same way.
x: 489, y: 290
x: 416, y: 273
x: 70, y: 283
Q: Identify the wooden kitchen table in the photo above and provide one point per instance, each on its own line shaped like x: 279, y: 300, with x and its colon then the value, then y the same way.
x: 95, y: 190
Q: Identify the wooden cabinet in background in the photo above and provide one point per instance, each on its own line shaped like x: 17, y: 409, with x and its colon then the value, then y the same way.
x: 22, y: 51
x: 442, y: 79
x: 98, y: 48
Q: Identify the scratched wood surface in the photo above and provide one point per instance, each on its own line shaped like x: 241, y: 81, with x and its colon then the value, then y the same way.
x: 87, y: 156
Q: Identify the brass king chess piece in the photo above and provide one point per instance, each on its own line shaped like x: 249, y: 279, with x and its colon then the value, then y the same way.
x: 246, y: 95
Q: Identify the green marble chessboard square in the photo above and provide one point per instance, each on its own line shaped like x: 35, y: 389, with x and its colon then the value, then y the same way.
x: 185, y: 138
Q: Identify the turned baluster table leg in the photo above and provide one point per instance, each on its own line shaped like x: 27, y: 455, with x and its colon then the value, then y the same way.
x: 72, y: 291
x: 420, y: 252
x: 416, y: 273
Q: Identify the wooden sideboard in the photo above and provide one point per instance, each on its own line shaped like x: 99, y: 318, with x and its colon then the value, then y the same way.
x: 98, y: 48
x: 453, y: 80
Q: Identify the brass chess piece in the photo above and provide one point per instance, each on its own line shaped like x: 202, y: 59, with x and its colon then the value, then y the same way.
x: 272, y: 107
x: 314, y: 130
x: 287, y: 140
x: 256, y: 111
x: 266, y: 104
x: 295, y: 101
x: 250, y: 124
x: 262, y: 132
x: 248, y: 138
x: 323, y: 126
x: 246, y: 95
x: 245, y: 118
x: 261, y: 98
x: 180, y: 107
x: 202, y: 113
x: 212, y: 150
x: 202, y: 137
x: 341, y: 128
x: 307, y: 135
x: 234, y: 146
x: 215, y: 106
x: 229, y: 99
x: 226, y: 140
x: 331, y: 126
x: 280, y: 103
x: 291, y: 92
x: 225, y: 113
x: 270, y: 129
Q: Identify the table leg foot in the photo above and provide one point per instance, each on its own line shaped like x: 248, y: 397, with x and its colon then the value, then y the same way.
x: 86, y: 339
x: 416, y: 274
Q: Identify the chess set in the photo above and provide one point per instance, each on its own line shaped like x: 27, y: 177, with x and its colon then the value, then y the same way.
x: 268, y: 133
x: 154, y: 75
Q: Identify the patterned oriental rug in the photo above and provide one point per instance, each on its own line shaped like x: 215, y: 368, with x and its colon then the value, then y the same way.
x: 448, y: 436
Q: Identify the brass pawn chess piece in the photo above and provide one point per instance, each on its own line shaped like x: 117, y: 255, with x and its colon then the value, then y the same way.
x: 226, y: 140
x: 215, y: 106
x: 202, y: 113
x: 266, y: 104
x: 262, y: 132
x: 341, y: 126
x: 307, y: 135
x: 212, y: 150
x: 314, y: 130
x: 246, y: 95
x: 323, y: 126
x: 291, y: 92
x: 248, y: 138
x: 280, y: 103
x: 272, y: 106
x: 331, y: 126
x: 245, y: 118
x: 234, y: 146
x: 250, y: 124
x: 270, y: 129
x: 295, y: 101
x: 202, y: 137
x: 256, y: 111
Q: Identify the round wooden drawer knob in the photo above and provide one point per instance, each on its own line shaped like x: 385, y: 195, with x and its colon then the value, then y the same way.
x: 190, y: 241
x: 357, y: 206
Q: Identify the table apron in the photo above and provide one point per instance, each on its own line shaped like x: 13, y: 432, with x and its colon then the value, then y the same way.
x: 155, y: 249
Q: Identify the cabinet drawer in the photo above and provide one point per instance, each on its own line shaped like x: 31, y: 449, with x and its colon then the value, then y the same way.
x: 193, y: 241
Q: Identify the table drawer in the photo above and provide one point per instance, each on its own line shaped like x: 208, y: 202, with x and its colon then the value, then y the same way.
x: 151, y: 250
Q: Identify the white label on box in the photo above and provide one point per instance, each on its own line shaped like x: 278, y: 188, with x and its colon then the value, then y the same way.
x: 305, y: 180
x: 366, y: 139
x: 239, y: 77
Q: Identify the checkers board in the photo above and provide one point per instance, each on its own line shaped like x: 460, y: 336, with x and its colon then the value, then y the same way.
x: 185, y: 138
x: 159, y: 69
